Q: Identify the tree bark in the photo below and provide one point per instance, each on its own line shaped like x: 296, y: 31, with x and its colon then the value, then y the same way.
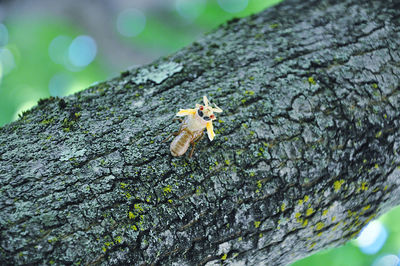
x: 305, y: 153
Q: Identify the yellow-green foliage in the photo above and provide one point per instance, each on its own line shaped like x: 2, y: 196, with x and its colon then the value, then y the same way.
x: 350, y: 213
x: 338, y: 184
x: 167, y: 189
x: 273, y: 26
x: 370, y: 218
x: 336, y: 226
x: 309, y: 211
x: 319, y: 226
x: 306, y: 198
x: 298, y: 217
x: 355, y: 233
x: 47, y: 121
x: 198, y: 191
x: 257, y: 224
x: 364, y: 186
x: 311, y: 81
x: 138, y: 208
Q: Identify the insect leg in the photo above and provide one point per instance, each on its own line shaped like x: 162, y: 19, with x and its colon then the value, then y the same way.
x: 170, y: 135
x: 194, y: 142
x: 177, y: 118
x: 200, y: 137
x: 191, y: 152
x: 167, y: 138
x: 173, y: 133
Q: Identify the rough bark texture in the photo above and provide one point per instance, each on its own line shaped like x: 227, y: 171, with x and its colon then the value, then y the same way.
x: 306, y: 150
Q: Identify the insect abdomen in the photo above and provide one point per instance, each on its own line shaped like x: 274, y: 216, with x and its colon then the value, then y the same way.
x: 181, y: 143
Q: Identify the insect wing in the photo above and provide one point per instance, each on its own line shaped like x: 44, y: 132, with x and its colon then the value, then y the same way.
x: 210, y: 130
x: 183, y: 112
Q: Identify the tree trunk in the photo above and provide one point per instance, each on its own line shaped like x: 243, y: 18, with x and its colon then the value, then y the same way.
x: 305, y: 153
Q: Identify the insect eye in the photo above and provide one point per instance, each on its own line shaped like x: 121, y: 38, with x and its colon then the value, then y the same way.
x: 201, y: 107
x: 206, y: 118
x: 212, y: 116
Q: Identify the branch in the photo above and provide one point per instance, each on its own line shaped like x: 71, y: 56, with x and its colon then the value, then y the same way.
x: 305, y: 153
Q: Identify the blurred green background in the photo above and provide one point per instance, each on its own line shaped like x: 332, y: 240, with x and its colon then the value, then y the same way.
x: 55, y: 48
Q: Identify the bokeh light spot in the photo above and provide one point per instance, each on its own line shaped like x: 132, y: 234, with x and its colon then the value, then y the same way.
x: 1, y: 74
x: 60, y: 84
x: 3, y: 35
x: 388, y: 260
x: 190, y: 9
x: 58, y: 49
x: 233, y: 6
x: 372, y: 238
x: 6, y: 60
x: 82, y: 51
x: 24, y: 107
x: 131, y: 22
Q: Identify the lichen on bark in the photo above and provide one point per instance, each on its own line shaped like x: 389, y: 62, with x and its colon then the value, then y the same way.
x: 305, y: 154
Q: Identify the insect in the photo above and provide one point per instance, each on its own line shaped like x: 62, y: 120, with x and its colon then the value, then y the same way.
x: 192, y: 127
